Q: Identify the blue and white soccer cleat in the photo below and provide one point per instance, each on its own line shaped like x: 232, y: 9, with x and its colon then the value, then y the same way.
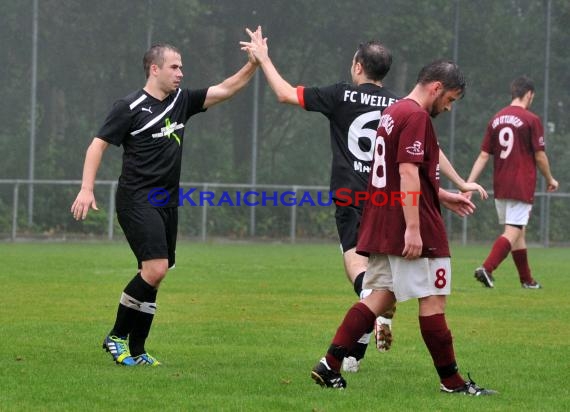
x: 146, y: 359
x: 119, y: 350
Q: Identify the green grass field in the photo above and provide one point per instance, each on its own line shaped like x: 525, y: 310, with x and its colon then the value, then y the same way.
x: 239, y: 327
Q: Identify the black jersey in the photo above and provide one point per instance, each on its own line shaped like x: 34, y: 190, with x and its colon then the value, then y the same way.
x: 354, y: 114
x: 152, y: 133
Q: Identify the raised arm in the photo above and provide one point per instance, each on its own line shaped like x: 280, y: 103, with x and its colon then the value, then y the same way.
x: 544, y: 166
x: 231, y: 86
x: 258, y: 48
x: 86, y: 198
x: 447, y: 169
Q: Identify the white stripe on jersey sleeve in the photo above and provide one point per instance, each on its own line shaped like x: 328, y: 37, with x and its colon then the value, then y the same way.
x: 137, y: 102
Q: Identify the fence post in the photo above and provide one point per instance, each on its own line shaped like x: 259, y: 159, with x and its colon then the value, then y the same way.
x: 293, y: 229
x: 204, y: 215
x: 252, y: 220
x: 547, y: 222
x: 15, y: 211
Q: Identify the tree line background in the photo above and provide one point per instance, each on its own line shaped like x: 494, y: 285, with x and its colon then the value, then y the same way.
x: 90, y: 54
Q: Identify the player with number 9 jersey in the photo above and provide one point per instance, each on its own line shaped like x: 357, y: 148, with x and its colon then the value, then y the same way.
x: 513, y: 135
x: 515, y: 138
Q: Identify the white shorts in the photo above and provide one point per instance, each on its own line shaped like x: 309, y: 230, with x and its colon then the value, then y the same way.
x: 512, y: 212
x: 408, y: 279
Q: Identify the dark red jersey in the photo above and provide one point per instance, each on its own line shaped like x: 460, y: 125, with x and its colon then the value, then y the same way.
x: 405, y: 135
x: 513, y: 135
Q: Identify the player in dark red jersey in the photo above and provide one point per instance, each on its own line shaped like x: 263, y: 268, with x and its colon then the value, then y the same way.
x: 149, y: 124
x: 353, y: 111
x: 515, y: 139
x: 406, y: 241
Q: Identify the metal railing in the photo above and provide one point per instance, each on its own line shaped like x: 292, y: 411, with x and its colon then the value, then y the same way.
x: 289, y: 219
x: 200, y: 186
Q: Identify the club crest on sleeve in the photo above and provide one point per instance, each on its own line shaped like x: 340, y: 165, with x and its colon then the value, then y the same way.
x: 415, y: 148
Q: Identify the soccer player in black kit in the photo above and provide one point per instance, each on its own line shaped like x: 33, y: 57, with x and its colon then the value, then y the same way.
x: 149, y: 124
x: 354, y: 112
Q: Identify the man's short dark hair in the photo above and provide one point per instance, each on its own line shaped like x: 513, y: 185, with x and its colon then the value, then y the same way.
x: 445, y: 71
x: 521, y: 86
x: 155, y: 55
x: 375, y: 59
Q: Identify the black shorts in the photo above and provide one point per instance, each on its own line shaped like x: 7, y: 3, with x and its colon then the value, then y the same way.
x: 151, y: 232
x: 347, y: 224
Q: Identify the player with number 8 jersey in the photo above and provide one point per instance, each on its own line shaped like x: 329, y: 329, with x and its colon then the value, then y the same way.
x: 409, y: 138
x: 406, y: 241
x: 353, y: 111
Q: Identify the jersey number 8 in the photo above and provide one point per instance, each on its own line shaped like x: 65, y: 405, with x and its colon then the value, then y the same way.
x: 379, y: 165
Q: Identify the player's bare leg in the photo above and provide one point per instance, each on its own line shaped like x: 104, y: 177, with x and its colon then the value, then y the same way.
x: 354, y: 264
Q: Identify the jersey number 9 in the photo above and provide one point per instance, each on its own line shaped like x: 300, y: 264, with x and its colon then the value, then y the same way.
x: 506, y: 140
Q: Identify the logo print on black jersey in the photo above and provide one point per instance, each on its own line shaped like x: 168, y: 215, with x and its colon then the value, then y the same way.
x: 168, y: 130
x: 144, y: 109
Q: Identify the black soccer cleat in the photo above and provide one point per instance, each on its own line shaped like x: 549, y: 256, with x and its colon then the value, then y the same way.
x: 484, y: 277
x: 326, y: 377
x: 469, y: 388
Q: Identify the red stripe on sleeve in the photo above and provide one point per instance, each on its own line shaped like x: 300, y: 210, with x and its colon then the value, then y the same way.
x: 301, y: 95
